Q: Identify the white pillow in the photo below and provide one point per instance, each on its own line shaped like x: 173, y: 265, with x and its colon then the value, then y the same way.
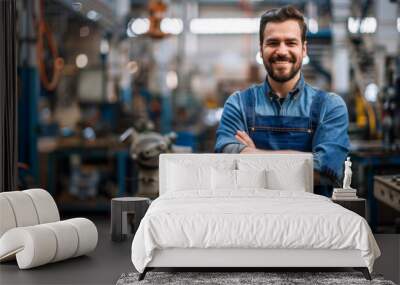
x: 223, y: 179
x: 188, y: 177
x: 279, y: 181
x: 251, y: 179
x: 282, y: 173
x: 227, y: 179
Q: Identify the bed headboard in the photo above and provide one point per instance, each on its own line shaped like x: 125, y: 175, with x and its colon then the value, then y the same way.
x: 295, y: 168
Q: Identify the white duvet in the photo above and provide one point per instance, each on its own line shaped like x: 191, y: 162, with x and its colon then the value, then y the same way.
x: 256, y: 218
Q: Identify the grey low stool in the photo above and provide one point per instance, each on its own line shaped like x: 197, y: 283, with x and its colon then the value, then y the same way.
x: 126, y: 214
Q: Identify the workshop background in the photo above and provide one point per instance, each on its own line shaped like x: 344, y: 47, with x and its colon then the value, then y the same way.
x: 105, y: 86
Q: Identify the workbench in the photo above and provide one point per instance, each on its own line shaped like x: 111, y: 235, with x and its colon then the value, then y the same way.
x: 371, y: 159
x: 59, y: 149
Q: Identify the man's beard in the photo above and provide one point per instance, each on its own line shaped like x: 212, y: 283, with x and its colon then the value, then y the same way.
x: 282, y: 78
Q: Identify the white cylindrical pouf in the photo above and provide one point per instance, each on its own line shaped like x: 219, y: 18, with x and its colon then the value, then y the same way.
x: 67, y: 239
x: 7, y: 218
x: 34, y: 246
x: 23, y: 207
x: 87, y: 234
x: 45, y: 205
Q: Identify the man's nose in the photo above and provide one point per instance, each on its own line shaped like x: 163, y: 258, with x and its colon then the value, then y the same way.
x: 282, y: 49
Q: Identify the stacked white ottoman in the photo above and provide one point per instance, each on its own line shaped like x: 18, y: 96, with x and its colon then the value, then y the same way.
x: 31, y: 230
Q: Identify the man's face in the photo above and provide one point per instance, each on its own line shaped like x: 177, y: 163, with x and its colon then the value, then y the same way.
x: 282, y: 50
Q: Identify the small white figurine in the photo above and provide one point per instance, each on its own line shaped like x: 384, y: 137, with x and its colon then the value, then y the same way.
x: 347, y: 174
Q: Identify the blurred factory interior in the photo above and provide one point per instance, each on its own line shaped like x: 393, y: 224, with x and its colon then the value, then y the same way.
x: 105, y: 86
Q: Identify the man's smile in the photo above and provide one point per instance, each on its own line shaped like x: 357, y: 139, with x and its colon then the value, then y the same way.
x: 281, y: 63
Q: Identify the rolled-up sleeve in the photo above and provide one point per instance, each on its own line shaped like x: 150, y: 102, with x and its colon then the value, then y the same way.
x: 232, y: 120
x: 331, y: 141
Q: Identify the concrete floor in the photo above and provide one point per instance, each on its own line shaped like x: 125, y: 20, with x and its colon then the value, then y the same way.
x: 110, y: 260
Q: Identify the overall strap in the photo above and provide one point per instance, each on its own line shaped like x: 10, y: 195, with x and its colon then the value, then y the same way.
x: 249, y: 103
x: 315, y: 109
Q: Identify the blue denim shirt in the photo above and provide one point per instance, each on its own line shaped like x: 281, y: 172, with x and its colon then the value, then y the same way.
x: 330, y: 143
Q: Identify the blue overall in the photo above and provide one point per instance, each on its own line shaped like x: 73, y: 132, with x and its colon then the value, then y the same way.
x: 309, y: 120
x: 282, y: 132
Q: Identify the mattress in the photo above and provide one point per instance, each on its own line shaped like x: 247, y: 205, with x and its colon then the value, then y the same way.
x: 251, y: 219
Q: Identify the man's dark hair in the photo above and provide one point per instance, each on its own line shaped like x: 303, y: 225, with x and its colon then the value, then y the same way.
x: 279, y: 15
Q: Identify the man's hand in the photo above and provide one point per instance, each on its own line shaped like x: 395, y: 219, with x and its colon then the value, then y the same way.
x: 245, y: 139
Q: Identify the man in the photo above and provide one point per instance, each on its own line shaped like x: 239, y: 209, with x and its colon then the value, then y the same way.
x: 284, y: 114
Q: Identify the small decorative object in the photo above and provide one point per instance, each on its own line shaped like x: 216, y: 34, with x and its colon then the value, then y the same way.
x: 347, y: 174
x: 345, y: 193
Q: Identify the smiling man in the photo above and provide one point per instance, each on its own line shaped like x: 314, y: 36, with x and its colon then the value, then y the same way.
x: 284, y: 114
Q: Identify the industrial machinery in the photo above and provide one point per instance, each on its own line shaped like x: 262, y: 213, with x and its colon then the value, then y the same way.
x: 145, y: 149
x: 387, y: 190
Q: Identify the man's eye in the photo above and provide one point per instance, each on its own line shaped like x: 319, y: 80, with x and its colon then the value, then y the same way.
x: 292, y: 44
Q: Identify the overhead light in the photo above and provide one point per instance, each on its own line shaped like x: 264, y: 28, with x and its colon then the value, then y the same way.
x: 259, y: 58
x: 129, y: 33
x: 139, y: 26
x: 398, y: 25
x: 353, y: 25
x: 132, y: 67
x: 88, y: 133
x: 81, y: 60
x: 312, y: 25
x: 171, y: 26
x: 104, y: 46
x: 93, y: 15
x: 224, y: 25
x: 77, y: 6
x: 371, y: 92
x: 306, y: 60
x: 367, y: 25
x: 171, y: 80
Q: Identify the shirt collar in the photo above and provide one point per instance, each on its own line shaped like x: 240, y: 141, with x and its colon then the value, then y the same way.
x: 297, y: 90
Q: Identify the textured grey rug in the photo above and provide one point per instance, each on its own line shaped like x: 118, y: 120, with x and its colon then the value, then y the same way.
x: 228, y: 278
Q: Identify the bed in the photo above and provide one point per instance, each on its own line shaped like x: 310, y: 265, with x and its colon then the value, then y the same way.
x: 242, y: 211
